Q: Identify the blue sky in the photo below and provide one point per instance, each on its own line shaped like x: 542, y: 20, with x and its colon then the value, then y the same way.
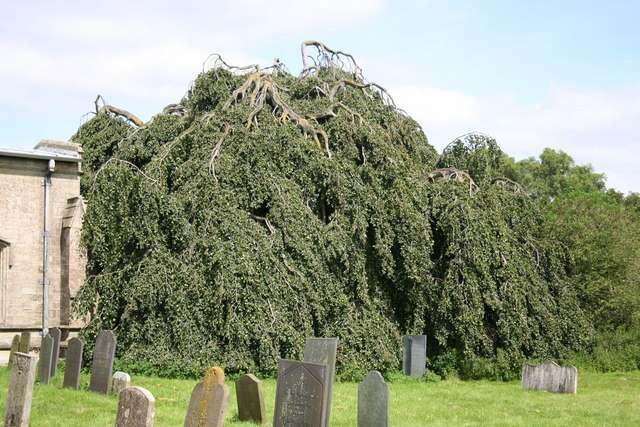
x: 563, y: 74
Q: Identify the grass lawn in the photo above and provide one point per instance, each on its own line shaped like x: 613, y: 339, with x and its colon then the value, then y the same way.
x: 603, y: 399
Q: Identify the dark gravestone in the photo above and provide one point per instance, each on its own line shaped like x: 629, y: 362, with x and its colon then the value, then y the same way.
x: 323, y: 351
x: 73, y: 364
x: 25, y: 342
x: 300, y: 393
x: 55, y: 334
x: 18, y: 405
x: 15, y: 347
x: 102, y: 367
x: 250, y: 399
x: 208, y: 404
x: 44, y: 365
x: 550, y: 377
x: 136, y: 408
x: 373, y: 401
x: 415, y: 355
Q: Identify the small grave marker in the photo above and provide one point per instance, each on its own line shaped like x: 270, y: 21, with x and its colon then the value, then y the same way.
x: 323, y: 351
x: 73, y: 364
x: 120, y: 381
x: 300, y: 394
x: 415, y: 355
x: 373, y: 401
x: 20, y: 394
x: 136, y: 408
x: 550, y: 377
x: 250, y: 399
x: 102, y: 368
x: 44, y: 365
x: 55, y: 354
x: 208, y: 404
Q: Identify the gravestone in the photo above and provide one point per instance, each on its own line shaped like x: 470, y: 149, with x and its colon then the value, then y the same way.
x: 102, y: 367
x: 25, y: 342
x: 15, y: 347
x: 44, y: 366
x: 136, y: 408
x: 373, y: 401
x: 55, y: 354
x: 215, y: 375
x: 120, y: 381
x: 550, y: 377
x: 250, y: 399
x: 18, y: 405
x: 323, y: 351
x: 73, y: 364
x: 300, y: 393
x: 208, y: 404
x: 415, y: 355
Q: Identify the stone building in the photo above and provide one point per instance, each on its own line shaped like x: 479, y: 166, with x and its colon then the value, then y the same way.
x: 40, y: 218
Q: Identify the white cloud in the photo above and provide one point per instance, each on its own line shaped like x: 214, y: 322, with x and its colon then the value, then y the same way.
x: 593, y: 126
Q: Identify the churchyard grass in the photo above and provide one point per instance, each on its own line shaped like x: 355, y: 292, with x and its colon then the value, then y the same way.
x: 603, y: 399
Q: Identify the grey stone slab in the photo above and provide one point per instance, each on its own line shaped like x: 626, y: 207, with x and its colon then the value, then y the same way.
x: 415, y: 355
x: 300, y: 394
x: 119, y: 382
x: 25, y: 342
x: 55, y: 354
x: 250, y: 399
x: 136, y: 408
x: 323, y: 351
x: 20, y: 394
x: 15, y: 347
x: 373, y: 401
x: 550, y: 377
x: 208, y: 405
x: 44, y: 365
x: 102, y: 367
x: 73, y: 364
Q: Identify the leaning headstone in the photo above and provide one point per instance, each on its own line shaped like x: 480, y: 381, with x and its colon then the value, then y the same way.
x: 373, y: 401
x: 208, y: 405
x: 15, y: 347
x: 18, y: 405
x: 55, y: 334
x: 323, y: 351
x: 73, y: 364
x: 415, y: 355
x: 102, y: 368
x: 44, y: 365
x: 136, y: 408
x: 120, y: 381
x: 250, y: 399
x: 550, y: 377
x: 25, y: 342
x: 300, y: 393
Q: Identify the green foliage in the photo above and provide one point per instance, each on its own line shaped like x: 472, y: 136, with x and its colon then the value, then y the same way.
x: 280, y: 207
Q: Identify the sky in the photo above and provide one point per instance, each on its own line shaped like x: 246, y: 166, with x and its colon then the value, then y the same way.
x: 559, y: 74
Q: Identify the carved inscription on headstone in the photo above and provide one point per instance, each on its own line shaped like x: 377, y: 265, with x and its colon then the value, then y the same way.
x: 550, y: 377
x: 373, y: 401
x: 415, y: 355
x: 73, y: 364
x: 55, y: 354
x: 300, y: 394
x: 250, y: 399
x: 18, y: 404
x: 44, y: 365
x: 102, y: 368
x: 323, y: 351
x: 136, y: 408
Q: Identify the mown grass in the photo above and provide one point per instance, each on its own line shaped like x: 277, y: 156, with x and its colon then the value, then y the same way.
x: 611, y: 399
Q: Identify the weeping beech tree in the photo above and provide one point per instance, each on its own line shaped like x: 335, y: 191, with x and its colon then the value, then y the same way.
x: 266, y: 207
